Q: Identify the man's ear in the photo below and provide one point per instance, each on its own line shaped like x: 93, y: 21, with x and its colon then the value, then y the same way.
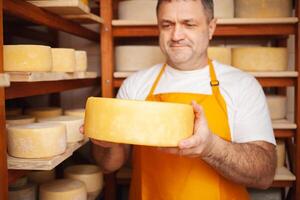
x: 212, y: 27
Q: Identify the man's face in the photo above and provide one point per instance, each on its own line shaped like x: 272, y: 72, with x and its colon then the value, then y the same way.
x: 184, y: 33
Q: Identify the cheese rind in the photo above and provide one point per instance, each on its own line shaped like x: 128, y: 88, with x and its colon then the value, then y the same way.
x: 81, y: 61
x: 277, y: 106
x: 220, y: 54
x: 137, y: 10
x: 280, y: 150
x: 27, y: 58
x: 44, y: 112
x: 19, y: 120
x: 26, y: 192
x: 63, y: 60
x: 37, y: 140
x: 41, y: 176
x: 138, y: 122
x: 75, y: 112
x: 223, y: 8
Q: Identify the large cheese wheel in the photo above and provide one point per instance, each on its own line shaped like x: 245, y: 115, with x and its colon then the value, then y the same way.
x: 13, y: 111
x: 63, y: 189
x: 260, y: 58
x: 277, y: 106
x: 22, y: 58
x: 280, y: 150
x: 81, y: 61
x: 137, y: 10
x: 263, y: 8
x: 223, y: 8
x: 41, y: 176
x: 19, y: 120
x: 44, y: 112
x: 138, y: 122
x: 37, y: 140
x: 63, y: 60
x: 72, y: 124
x: 137, y: 57
x: 26, y: 192
x: 75, y: 112
x: 90, y: 175
x: 220, y: 54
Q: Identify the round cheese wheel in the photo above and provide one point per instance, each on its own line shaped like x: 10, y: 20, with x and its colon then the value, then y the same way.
x: 260, y: 58
x: 19, y: 120
x: 81, y: 61
x: 90, y: 175
x: 66, y: 189
x: 26, y: 192
x: 137, y: 10
x: 223, y: 8
x: 27, y: 58
x: 137, y: 57
x: 63, y: 60
x: 19, y: 182
x: 44, y: 112
x: 280, y: 150
x: 37, y: 140
x: 13, y: 111
x: 75, y: 112
x: 72, y: 124
x: 263, y: 9
x: 220, y: 54
x: 138, y: 122
x: 41, y: 176
x: 277, y: 106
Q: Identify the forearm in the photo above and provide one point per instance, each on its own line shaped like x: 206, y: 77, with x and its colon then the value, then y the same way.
x: 245, y: 163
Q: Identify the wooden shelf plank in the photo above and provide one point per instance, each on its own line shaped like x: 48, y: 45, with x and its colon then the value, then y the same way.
x: 45, y: 163
x: 40, y: 16
x: 4, y: 80
x: 283, y: 124
x: 85, y: 18
x: 24, y: 89
x: 284, y: 174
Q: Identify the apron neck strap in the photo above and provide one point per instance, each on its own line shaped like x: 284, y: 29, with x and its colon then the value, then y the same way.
x: 157, y: 79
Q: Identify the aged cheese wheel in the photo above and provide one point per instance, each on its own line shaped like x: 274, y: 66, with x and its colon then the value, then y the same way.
x: 23, y: 58
x: 63, y: 189
x: 90, y: 175
x: 137, y: 10
x: 220, y: 54
x: 13, y: 111
x: 44, y: 112
x: 72, y: 124
x: 63, y: 60
x: 223, y: 8
x: 277, y: 106
x: 260, y: 58
x: 75, y: 112
x: 26, y: 192
x: 41, y: 176
x: 37, y: 140
x: 138, y: 122
x: 137, y: 57
x: 280, y: 149
x: 263, y: 8
x: 81, y: 61
x: 19, y: 182
x: 19, y: 120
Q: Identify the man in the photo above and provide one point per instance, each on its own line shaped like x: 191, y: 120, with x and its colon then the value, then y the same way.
x: 233, y: 145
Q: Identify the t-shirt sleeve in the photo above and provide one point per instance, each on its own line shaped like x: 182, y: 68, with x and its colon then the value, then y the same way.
x: 252, y: 119
x: 126, y: 91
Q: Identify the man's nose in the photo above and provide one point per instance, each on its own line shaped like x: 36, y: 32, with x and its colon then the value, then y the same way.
x: 178, y: 33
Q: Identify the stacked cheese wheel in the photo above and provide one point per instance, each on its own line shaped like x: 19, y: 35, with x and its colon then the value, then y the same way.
x: 79, y: 112
x: 223, y: 8
x: 220, y: 54
x: 19, y: 120
x: 277, y: 106
x: 40, y: 177
x: 280, y: 150
x: 23, y: 191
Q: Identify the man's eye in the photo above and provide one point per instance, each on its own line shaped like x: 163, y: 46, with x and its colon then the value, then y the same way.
x: 190, y: 25
x: 166, y: 25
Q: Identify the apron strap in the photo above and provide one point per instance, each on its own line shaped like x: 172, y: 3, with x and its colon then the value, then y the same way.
x: 157, y: 80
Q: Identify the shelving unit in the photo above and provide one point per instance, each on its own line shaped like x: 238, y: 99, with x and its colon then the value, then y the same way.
x: 26, y: 11
x: 278, y: 28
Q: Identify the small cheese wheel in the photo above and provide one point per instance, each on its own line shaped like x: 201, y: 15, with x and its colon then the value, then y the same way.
x: 19, y: 182
x: 37, y: 140
x: 223, y: 8
x: 44, y: 112
x: 137, y: 57
x: 13, y: 111
x: 72, y: 124
x: 263, y: 9
x: 75, y: 112
x: 138, y: 122
x: 137, y: 10
x: 41, y: 176
x: 66, y: 189
x: 27, y: 58
x: 220, y: 54
x: 277, y: 106
x: 26, y: 192
x: 260, y: 58
x: 90, y: 175
x: 63, y: 60
x: 280, y: 150
x: 81, y: 61
x: 19, y: 120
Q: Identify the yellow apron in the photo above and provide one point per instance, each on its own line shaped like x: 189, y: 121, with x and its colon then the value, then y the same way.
x: 162, y: 176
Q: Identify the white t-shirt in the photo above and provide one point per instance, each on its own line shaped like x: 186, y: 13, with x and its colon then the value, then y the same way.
x: 247, y: 109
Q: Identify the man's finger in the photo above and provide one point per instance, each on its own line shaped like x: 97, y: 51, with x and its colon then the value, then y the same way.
x: 190, y: 142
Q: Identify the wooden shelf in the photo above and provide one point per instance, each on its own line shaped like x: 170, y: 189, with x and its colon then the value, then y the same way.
x: 24, y: 89
x: 4, y: 80
x: 40, y: 16
x: 45, y: 163
x: 85, y: 18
